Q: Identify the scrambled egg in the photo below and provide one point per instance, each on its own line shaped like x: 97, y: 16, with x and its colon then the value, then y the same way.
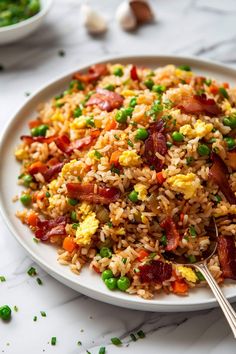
x: 129, y: 158
x: 86, y: 230
x: 200, y: 129
x: 186, y: 184
x: 57, y: 116
x: 187, y: 273
x: 182, y: 74
x: 78, y: 123
x: 127, y: 93
x: 73, y: 167
x: 94, y: 155
x: 85, y: 208
x: 21, y: 154
x: 141, y: 189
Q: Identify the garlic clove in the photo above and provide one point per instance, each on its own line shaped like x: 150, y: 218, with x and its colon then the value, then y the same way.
x: 142, y: 11
x: 125, y: 16
x: 92, y: 20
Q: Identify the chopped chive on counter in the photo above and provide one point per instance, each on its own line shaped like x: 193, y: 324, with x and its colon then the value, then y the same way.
x: 79, y: 343
x: 15, y: 308
x: 223, y: 92
x: 192, y: 231
x: 129, y: 142
x: 39, y: 281
x: 200, y: 276
x: 116, y: 341
x: 32, y: 272
x: 102, y: 350
x: 43, y: 313
x: 184, y: 67
x: 192, y: 259
x: 35, y: 318
x: 133, y: 338
x: 61, y: 53
x: 141, y: 334
x: 53, y: 340
x: 36, y: 240
x: 2, y: 279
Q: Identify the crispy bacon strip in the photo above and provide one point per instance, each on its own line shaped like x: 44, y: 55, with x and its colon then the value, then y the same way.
x: 200, y: 105
x: 47, y: 172
x: 65, y: 145
x: 92, y: 193
x: 48, y: 228
x: 106, y: 100
x: 53, y: 171
x: 28, y: 139
x: 231, y: 159
x: 172, y: 234
x: 134, y: 74
x: 227, y: 256
x: 155, y: 271
x: 93, y: 74
x: 155, y: 143
x: 219, y: 175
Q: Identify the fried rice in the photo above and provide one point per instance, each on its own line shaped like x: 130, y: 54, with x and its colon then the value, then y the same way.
x: 130, y: 163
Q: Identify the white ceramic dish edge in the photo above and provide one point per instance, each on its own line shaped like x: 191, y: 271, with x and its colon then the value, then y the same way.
x: 67, y: 277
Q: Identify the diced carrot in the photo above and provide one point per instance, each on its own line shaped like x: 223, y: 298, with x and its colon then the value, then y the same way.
x: 96, y: 269
x: 40, y: 195
x: 114, y: 159
x: 179, y: 287
x: 160, y: 178
x: 69, y: 244
x: 53, y: 161
x: 214, y: 89
x: 34, y: 123
x: 142, y: 254
x: 226, y: 85
x: 111, y: 124
x: 181, y: 217
x: 95, y: 133
x: 37, y: 167
x: 32, y: 219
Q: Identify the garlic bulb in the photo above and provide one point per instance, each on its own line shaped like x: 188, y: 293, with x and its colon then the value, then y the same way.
x: 125, y: 16
x: 92, y: 20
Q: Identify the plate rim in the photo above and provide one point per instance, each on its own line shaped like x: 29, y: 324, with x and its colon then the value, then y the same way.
x: 132, y: 302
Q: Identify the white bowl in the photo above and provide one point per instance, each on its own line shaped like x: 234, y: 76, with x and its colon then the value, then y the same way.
x: 89, y: 283
x: 22, y: 29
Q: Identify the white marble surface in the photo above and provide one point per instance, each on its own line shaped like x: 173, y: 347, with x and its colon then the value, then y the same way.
x: 185, y: 27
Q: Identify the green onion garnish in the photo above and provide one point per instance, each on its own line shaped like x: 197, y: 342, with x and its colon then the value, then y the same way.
x: 32, y: 272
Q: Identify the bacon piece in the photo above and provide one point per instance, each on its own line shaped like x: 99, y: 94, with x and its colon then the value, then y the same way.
x: 231, y: 159
x: 106, y: 100
x: 200, y: 105
x: 227, y: 256
x: 28, y: 139
x: 48, y: 228
x: 155, y: 143
x: 65, y: 145
x: 172, y: 234
x: 155, y: 271
x: 134, y: 74
x: 47, y: 172
x: 53, y: 171
x: 93, y: 74
x: 37, y: 167
x: 92, y: 193
x: 219, y: 175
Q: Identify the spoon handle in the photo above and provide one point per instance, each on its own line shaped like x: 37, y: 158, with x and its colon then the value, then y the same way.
x: 227, y: 309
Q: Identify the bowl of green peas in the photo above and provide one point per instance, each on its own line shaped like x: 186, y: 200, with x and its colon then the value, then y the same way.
x: 19, y: 18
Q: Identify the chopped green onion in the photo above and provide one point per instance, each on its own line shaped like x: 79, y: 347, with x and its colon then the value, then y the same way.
x: 90, y: 122
x: 124, y: 260
x: 115, y: 170
x: 141, y: 334
x: 75, y: 226
x: 133, y: 338
x: 208, y: 82
x: 32, y: 271
x: 72, y: 201
x: 200, y: 275
x: 43, y: 313
x: 169, y: 144
x: 77, y: 112
x: 116, y: 341
x: 53, y: 341
x: 223, y: 92
x: 109, y: 87
x: 192, y: 231
x: 116, y: 137
x: 97, y: 154
x: 79, y: 343
x: 2, y: 279
x: 109, y: 224
x: 189, y: 160
x: 35, y: 318
x: 47, y: 194
x: 163, y: 240
x: 129, y: 142
x: 39, y: 281
x: 149, y: 83
x: 36, y: 240
x: 184, y: 67
x: 133, y: 102
x: 217, y: 198
x: 152, y: 255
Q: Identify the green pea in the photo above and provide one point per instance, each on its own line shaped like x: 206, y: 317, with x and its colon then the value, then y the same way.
x: 149, y: 83
x: 110, y: 87
x: 203, y: 150
x: 111, y: 283
x: 34, y: 131
x: 90, y: 122
x: 72, y: 201
x: 27, y: 179
x: 141, y: 134
x: 123, y: 114
x: 5, y: 312
x: 73, y: 216
x: 159, y: 88
x: 105, y: 252
x: 133, y: 102
x: 133, y: 196
x: 25, y: 199
x: 123, y: 283
x: 118, y: 72
x: 77, y: 112
x: 107, y: 274
x: 223, y: 92
x: 42, y: 129
x: 230, y: 142
x: 230, y: 121
x: 177, y: 136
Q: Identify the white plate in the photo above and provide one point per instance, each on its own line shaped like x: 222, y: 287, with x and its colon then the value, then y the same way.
x: 45, y: 255
x: 13, y: 33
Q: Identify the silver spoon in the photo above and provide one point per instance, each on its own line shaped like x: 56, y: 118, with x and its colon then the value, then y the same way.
x: 201, y: 265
